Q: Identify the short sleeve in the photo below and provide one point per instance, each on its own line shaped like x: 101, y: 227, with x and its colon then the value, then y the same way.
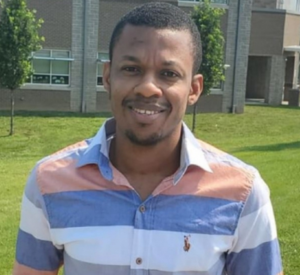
x: 256, y: 248
x: 35, y: 249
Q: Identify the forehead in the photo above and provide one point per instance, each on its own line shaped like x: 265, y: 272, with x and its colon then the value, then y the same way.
x: 149, y: 39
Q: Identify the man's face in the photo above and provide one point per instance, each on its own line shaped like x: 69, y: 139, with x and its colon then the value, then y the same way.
x: 150, y: 82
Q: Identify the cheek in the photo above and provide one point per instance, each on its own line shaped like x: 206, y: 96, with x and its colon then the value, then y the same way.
x: 180, y: 99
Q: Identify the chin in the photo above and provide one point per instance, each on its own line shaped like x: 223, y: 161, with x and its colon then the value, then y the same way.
x: 150, y: 140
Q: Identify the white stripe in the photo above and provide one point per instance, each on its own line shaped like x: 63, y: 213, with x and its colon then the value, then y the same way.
x: 33, y: 221
x: 160, y: 250
x: 97, y: 245
x: 256, y: 228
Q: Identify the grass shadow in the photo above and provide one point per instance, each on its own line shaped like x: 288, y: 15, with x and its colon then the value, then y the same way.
x: 55, y: 114
x: 273, y: 147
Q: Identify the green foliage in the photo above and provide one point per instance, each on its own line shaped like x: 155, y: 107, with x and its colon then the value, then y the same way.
x: 207, y: 19
x: 18, y: 39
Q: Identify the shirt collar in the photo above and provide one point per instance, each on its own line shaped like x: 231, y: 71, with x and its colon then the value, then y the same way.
x: 97, y: 151
x: 191, y: 154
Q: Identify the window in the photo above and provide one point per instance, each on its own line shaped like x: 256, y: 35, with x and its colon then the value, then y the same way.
x: 102, y: 58
x: 293, y: 5
x: 51, y: 67
x: 218, y: 85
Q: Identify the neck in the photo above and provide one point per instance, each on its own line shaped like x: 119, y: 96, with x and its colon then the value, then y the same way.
x: 161, y: 159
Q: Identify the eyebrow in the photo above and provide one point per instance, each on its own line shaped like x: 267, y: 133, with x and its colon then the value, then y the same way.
x: 130, y: 58
x: 168, y: 63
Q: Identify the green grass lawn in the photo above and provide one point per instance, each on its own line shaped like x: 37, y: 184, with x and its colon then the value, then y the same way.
x: 268, y: 138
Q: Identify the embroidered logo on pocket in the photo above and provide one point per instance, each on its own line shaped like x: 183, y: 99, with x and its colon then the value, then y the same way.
x: 187, y: 244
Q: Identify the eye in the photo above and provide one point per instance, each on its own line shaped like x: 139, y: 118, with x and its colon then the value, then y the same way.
x: 169, y: 74
x: 130, y: 69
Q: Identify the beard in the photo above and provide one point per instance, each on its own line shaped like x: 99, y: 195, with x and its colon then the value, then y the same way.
x: 148, y: 141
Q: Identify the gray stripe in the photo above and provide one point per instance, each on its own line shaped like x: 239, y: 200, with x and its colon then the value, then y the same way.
x: 75, y: 267
x: 33, y: 193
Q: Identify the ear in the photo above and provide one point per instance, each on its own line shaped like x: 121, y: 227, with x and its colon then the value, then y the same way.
x: 106, y: 76
x: 196, y: 89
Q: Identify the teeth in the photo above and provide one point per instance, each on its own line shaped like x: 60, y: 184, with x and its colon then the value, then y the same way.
x: 147, y: 112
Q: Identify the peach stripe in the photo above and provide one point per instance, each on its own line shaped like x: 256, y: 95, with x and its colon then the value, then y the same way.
x: 226, y: 182
x: 80, y: 144
x: 24, y: 270
x: 62, y: 175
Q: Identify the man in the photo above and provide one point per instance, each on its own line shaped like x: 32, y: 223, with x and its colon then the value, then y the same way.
x: 144, y: 196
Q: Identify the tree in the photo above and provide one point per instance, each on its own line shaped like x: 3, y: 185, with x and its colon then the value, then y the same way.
x: 18, y: 39
x: 208, y: 21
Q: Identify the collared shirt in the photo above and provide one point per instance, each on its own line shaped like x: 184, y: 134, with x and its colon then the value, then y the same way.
x: 212, y: 217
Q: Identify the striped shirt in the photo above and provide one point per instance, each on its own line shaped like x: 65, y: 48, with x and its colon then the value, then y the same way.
x: 212, y: 217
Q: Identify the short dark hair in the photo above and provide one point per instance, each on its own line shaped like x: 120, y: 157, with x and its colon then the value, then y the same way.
x: 160, y: 15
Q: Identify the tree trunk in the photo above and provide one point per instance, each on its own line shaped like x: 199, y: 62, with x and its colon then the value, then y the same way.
x: 12, y: 112
x: 194, y: 117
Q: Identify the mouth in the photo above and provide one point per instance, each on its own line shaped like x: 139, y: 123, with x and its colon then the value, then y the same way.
x: 146, y: 112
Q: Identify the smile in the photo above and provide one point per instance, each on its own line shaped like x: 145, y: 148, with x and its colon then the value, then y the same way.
x: 145, y: 112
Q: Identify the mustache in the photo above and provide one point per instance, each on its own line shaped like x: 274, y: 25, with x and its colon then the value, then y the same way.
x: 145, y: 101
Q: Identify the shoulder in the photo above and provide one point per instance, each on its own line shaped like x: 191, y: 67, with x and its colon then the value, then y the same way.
x: 219, y: 159
x: 239, y: 179
x: 50, y: 171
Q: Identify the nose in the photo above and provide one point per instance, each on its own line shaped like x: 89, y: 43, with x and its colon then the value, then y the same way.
x: 148, y: 87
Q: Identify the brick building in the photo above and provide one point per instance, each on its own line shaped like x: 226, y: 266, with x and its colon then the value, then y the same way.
x: 68, y: 71
x: 274, y: 50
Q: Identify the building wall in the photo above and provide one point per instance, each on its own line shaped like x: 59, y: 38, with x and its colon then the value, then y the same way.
x: 57, y: 30
x: 64, y: 29
x: 57, y: 27
x: 207, y: 104
x: 84, y: 50
x: 267, y: 32
x: 111, y: 12
x: 269, y: 4
x: 237, y: 51
x: 37, y: 100
x: 274, y: 93
x: 291, y: 30
x: 272, y: 30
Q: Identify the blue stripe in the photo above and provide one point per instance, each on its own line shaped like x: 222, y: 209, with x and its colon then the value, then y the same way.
x: 264, y: 259
x: 169, y: 213
x: 89, y: 157
x: 90, y: 208
x: 37, y: 254
x: 94, y: 156
x: 195, y: 215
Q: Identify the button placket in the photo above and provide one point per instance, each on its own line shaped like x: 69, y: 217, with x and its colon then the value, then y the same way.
x: 137, y: 258
x: 142, y: 208
x: 139, y: 261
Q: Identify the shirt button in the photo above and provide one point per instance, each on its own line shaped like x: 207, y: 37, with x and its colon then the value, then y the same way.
x: 142, y: 208
x: 138, y: 261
